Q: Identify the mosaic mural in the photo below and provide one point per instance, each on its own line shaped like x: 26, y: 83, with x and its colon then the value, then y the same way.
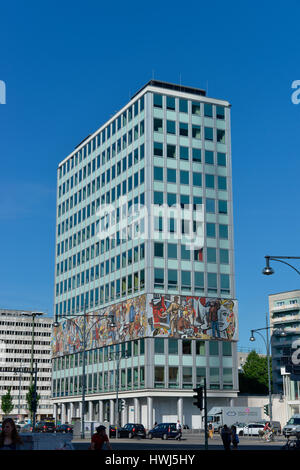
x: 174, y: 316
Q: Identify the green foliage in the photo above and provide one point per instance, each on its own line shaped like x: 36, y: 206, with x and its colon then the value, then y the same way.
x: 30, y: 397
x: 6, y: 403
x: 254, y: 378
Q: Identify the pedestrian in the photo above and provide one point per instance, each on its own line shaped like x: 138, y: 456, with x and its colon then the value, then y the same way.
x: 9, y: 437
x: 226, y: 437
x: 179, y: 431
x: 234, y: 437
x: 210, y: 431
x: 99, y: 438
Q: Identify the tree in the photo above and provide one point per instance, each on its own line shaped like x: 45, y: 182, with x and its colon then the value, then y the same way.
x: 30, y: 399
x: 6, y: 403
x: 254, y: 377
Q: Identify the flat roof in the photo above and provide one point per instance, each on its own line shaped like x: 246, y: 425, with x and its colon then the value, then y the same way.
x: 172, y: 86
x: 285, y: 292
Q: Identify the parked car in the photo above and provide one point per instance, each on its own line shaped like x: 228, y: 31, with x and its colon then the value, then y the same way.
x: 134, y: 430
x: 121, y: 431
x: 26, y: 428
x: 163, y: 430
x: 251, y: 429
x: 66, y: 428
x: 292, y: 427
x: 44, y: 426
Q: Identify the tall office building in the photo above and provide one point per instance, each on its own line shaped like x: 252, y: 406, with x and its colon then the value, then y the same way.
x: 145, y: 233
x: 284, y: 309
x: 15, y: 360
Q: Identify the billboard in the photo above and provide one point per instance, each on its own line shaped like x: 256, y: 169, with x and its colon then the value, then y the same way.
x: 174, y: 316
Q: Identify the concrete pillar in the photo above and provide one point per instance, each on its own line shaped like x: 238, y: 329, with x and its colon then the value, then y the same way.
x: 55, y: 412
x: 137, y: 411
x: 90, y: 417
x: 100, y: 415
x: 71, y: 412
x: 231, y: 402
x: 112, y: 412
x: 180, y: 410
x: 124, y: 415
x: 149, y: 413
x: 63, y: 413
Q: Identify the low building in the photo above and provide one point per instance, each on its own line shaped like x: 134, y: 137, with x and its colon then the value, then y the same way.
x: 16, y: 331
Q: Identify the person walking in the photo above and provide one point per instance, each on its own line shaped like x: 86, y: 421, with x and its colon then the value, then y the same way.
x: 9, y: 437
x: 234, y: 437
x: 99, y: 438
x: 226, y: 437
x: 179, y: 430
x: 210, y: 431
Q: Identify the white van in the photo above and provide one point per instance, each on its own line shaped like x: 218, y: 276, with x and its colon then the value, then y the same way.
x: 292, y: 427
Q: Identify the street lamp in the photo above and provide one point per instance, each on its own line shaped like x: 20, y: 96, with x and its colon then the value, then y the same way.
x: 268, y: 270
x: 267, y: 344
x: 84, y: 336
x: 117, y: 355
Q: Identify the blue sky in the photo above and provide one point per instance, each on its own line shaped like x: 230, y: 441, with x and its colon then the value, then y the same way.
x: 69, y: 66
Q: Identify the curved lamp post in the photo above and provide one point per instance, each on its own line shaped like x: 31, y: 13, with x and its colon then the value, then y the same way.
x: 84, y: 335
x: 268, y: 270
x: 117, y: 356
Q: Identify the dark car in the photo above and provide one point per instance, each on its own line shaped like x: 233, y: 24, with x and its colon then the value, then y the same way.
x: 66, y: 428
x: 44, y: 426
x: 121, y: 431
x: 135, y: 430
x: 163, y: 430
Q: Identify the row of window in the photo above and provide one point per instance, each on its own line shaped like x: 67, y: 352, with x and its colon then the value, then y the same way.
x: 102, y: 137
x: 194, y: 178
x: 171, y: 251
x: 115, y: 170
x: 183, y: 279
x: 182, y: 106
x: 183, y: 129
x: 114, y: 263
x: 114, y: 290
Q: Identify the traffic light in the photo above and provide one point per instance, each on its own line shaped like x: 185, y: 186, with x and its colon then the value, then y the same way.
x: 266, y: 410
x: 198, y: 397
x: 122, y: 404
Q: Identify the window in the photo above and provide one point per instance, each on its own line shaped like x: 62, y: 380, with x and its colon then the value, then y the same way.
x: 187, y: 377
x: 222, y: 183
x: 158, y: 197
x: 183, y: 129
x: 186, y: 280
x: 183, y: 106
x: 199, y: 281
x: 171, y: 199
x: 173, y: 346
x: 224, y: 256
x: 210, y: 206
x: 159, y: 250
x: 200, y: 348
x: 184, y: 153
x: 159, y: 377
x: 225, y: 283
x: 227, y: 350
x: 171, y: 151
x: 214, y: 378
x: 222, y: 207
x: 200, y: 375
x: 196, y: 155
x: 158, y: 125
x: 172, y: 251
x: 158, y: 149
x: 213, y: 348
x: 171, y: 175
x: 209, y: 157
x: 221, y: 136
x: 172, y: 279
x: 210, y: 181
x: 212, y: 282
x: 221, y: 157
x: 171, y: 103
x: 196, y: 132
x: 220, y: 112
x: 159, y: 346
x: 173, y: 377
x: 186, y: 346
x: 158, y: 173
x: 209, y: 133
x: 196, y: 108
x: 208, y: 110
x: 227, y: 378
x: 211, y: 255
x: 223, y: 231
x: 157, y: 101
x: 211, y: 230
x: 171, y: 129
x: 185, y: 253
x: 197, y: 179
x: 184, y: 177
